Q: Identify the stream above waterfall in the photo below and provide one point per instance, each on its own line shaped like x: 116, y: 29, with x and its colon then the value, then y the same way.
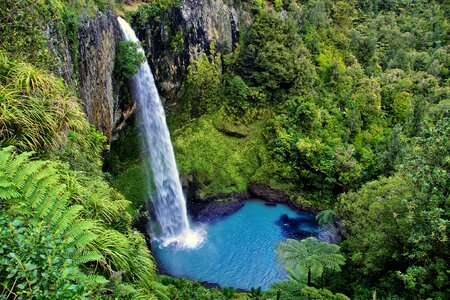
x: 239, y: 250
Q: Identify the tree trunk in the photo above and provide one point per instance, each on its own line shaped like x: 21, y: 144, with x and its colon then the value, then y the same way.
x: 309, y: 277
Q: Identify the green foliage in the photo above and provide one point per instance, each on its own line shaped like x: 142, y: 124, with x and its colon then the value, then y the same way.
x: 278, y: 4
x: 201, y: 91
x: 154, y: 9
x: 129, y: 58
x: 25, y: 27
x: 237, y: 93
x: 219, y: 163
x: 35, y: 264
x: 398, y: 226
x: 293, y: 289
x: 320, y: 99
x: 308, y: 259
x: 180, y: 288
x: 33, y: 189
x: 273, y: 55
x: 21, y: 25
x: 132, y: 184
x: 320, y: 294
x: 375, y: 218
x: 39, y: 113
x: 326, y: 217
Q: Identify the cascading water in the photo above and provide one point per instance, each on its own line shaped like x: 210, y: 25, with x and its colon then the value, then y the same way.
x: 169, y: 202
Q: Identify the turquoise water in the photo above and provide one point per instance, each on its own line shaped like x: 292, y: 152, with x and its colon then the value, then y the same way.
x: 240, y: 249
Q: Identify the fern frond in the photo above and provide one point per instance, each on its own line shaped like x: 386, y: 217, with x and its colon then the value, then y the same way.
x: 80, y: 233
x: 5, y: 155
x: 47, y: 205
x: 60, y: 205
x: 67, y: 219
x: 94, y: 279
x: 4, y: 182
x: 8, y: 190
x: 27, y: 170
x: 31, y: 184
x: 18, y: 162
x: 87, y: 256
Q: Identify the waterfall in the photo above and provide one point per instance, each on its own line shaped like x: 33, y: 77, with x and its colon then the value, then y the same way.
x: 169, y: 202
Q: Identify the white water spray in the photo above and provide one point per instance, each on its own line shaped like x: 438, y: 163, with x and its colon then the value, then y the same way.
x: 169, y: 202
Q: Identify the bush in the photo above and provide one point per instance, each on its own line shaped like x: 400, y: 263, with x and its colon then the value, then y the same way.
x: 36, y: 265
x: 129, y: 58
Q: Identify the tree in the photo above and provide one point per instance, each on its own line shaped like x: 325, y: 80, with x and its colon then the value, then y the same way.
x: 398, y: 227
x: 203, y: 84
x: 326, y: 217
x: 310, y: 257
x: 273, y: 55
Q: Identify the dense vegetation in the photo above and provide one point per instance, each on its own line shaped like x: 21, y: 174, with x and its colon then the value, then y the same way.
x: 65, y: 232
x: 344, y: 105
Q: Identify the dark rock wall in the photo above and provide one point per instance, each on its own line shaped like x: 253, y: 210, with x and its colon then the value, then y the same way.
x: 97, y: 84
x: 59, y: 47
x: 172, y: 41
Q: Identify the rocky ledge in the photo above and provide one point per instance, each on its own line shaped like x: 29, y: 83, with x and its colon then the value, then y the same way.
x: 213, y: 211
x: 266, y: 193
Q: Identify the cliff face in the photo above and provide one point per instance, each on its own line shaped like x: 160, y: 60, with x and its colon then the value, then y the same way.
x: 59, y: 47
x: 98, y: 89
x: 173, y: 40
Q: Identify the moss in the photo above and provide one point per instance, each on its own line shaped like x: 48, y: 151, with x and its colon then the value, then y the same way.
x: 132, y: 184
x: 220, y: 163
x: 125, y: 151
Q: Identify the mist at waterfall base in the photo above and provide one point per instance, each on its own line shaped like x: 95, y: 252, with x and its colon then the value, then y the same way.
x: 168, y: 202
x: 240, y: 250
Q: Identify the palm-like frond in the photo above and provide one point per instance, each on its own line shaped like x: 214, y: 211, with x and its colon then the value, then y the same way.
x: 310, y: 255
x: 325, y: 217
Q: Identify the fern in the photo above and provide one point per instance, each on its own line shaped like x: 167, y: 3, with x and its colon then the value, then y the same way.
x: 80, y: 234
x: 33, y: 189
x: 310, y: 257
x: 87, y: 256
x: 67, y: 218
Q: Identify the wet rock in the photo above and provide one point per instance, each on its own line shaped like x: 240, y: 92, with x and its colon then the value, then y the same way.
x: 59, y: 47
x: 213, y: 211
x: 263, y: 191
x: 173, y: 40
x: 330, y: 234
x: 105, y: 97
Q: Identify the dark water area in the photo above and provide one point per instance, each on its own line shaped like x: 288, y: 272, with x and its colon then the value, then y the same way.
x: 240, y: 248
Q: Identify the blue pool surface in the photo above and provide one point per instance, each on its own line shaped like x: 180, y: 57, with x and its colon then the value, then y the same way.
x: 240, y: 249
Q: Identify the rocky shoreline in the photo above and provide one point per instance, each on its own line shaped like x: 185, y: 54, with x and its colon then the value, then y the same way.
x: 213, y: 208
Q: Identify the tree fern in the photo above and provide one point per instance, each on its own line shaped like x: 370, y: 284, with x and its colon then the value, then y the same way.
x: 310, y: 257
x: 326, y: 217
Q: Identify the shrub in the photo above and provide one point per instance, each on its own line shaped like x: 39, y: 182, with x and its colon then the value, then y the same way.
x: 129, y: 58
x: 36, y: 265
